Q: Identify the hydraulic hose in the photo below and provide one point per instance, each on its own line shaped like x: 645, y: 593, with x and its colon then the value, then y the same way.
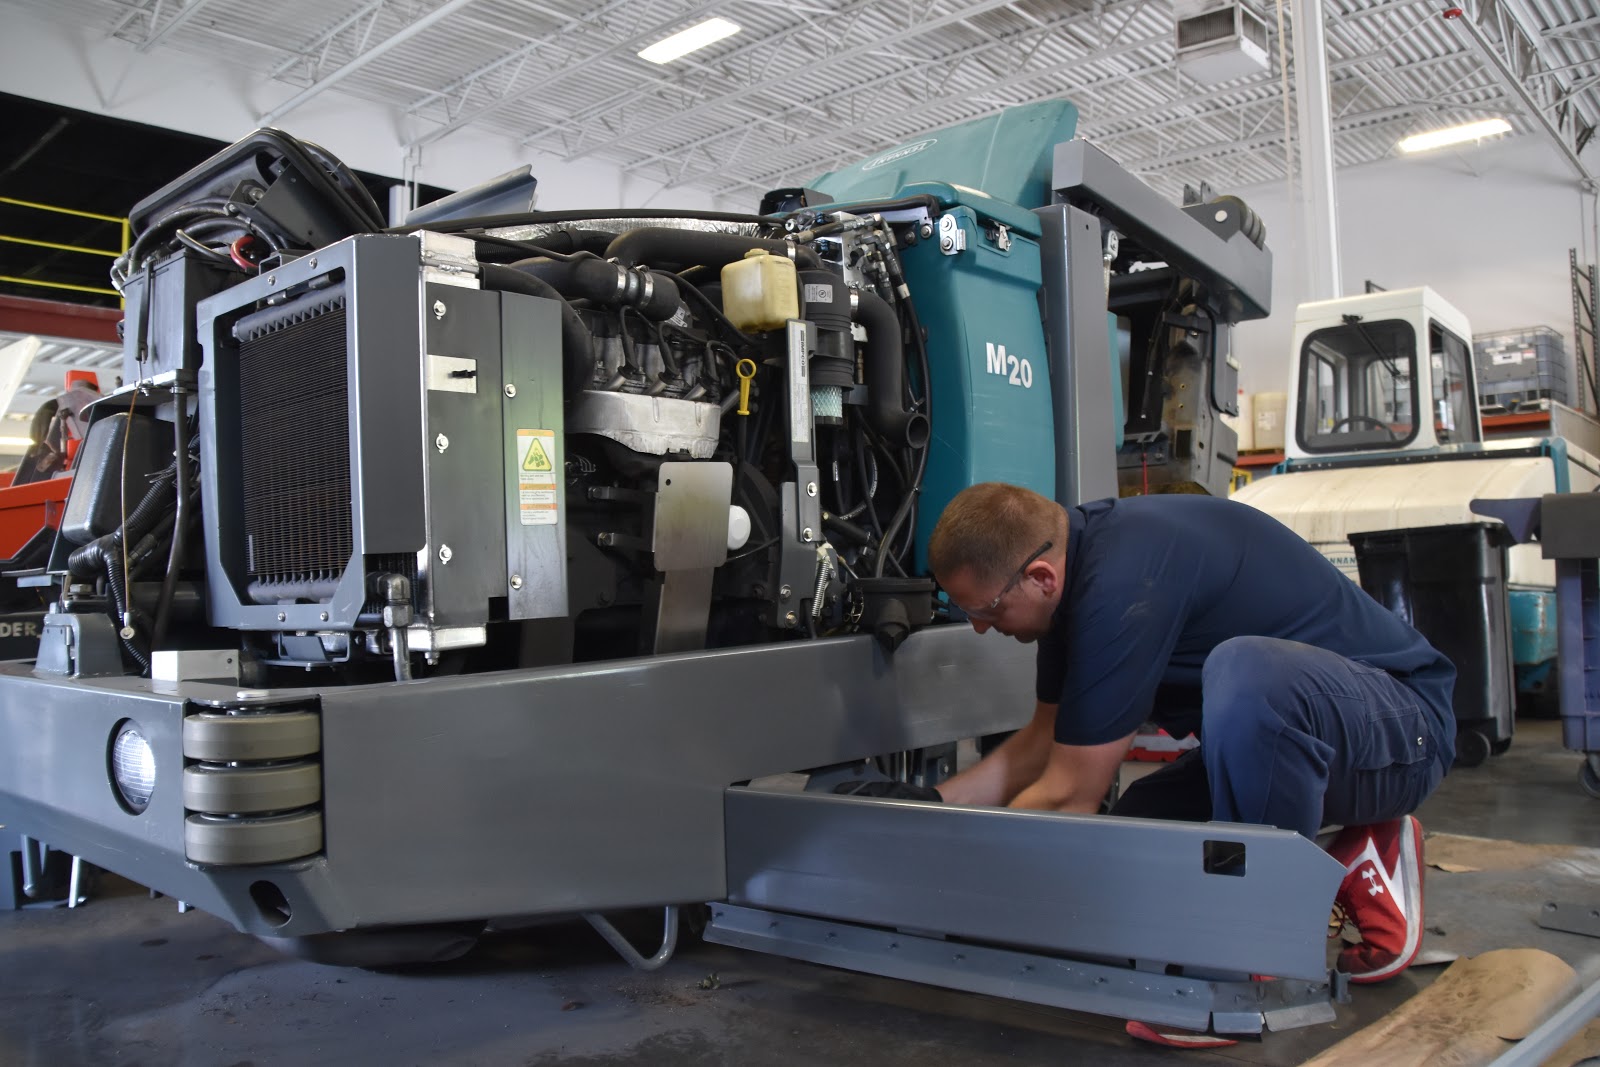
x: 652, y: 293
x: 686, y: 248
x: 180, y: 467
x: 885, y: 373
x: 577, y: 349
x: 89, y: 560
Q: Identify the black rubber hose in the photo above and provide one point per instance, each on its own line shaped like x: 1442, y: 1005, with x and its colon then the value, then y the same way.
x: 89, y: 560
x: 117, y: 582
x: 180, y: 468
x: 660, y: 245
x: 576, y: 346
x: 652, y: 293
x: 886, y: 372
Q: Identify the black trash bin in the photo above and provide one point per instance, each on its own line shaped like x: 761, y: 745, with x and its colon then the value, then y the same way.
x: 1450, y: 583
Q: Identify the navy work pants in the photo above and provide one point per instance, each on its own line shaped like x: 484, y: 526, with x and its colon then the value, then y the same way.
x: 1299, y: 737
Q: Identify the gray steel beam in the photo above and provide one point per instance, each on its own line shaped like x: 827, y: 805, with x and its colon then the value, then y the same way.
x: 155, y: 36
x: 544, y: 791
x: 1318, y: 207
x: 1121, y: 992
x: 1091, y: 886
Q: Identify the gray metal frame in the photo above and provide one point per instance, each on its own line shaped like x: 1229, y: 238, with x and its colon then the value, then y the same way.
x: 1084, y: 885
x: 1225, y: 1005
x: 547, y: 791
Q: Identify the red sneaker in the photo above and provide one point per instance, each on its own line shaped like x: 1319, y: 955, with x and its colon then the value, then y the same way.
x: 1381, y: 895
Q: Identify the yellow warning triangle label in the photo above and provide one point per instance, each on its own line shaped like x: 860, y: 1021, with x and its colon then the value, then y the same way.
x: 536, y: 459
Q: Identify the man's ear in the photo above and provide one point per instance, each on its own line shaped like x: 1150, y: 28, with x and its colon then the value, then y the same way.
x: 1045, y: 573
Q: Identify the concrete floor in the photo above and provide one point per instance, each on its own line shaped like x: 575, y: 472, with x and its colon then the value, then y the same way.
x: 128, y: 980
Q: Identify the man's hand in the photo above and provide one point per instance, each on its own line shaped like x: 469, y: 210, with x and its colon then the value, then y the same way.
x: 1075, y: 777
x: 1009, y: 769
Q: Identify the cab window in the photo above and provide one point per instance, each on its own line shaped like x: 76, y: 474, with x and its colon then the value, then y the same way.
x: 1358, y: 387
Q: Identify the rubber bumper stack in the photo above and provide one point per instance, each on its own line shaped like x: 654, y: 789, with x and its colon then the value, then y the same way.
x: 252, y: 782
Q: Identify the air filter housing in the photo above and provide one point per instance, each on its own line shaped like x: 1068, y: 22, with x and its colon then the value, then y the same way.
x: 1219, y: 42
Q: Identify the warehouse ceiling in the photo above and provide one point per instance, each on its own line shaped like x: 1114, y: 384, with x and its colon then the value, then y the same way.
x: 807, y: 85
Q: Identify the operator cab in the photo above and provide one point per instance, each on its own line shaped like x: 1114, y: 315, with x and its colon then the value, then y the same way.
x: 1381, y: 373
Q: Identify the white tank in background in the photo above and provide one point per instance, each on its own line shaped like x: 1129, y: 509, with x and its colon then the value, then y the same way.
x: 1382, y: 432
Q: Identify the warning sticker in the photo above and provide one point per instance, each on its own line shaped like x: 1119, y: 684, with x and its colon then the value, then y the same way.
x: 537, y: 500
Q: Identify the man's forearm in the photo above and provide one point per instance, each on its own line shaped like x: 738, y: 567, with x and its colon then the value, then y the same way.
x: 1004, y: 773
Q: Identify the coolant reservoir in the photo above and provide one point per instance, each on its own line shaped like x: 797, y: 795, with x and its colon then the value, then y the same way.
x: 759, y: 292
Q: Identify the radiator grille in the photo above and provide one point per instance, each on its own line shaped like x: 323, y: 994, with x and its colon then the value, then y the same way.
x: 295, y: 437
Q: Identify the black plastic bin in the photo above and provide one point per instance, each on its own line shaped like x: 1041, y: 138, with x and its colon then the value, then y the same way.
x: 1450, y: 583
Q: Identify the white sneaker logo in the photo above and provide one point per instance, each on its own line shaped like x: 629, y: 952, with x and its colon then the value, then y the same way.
x: 1370, y: 864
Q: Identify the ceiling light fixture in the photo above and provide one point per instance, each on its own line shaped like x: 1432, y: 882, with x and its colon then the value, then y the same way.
x: 692, y: 39
x: 15, y: 442
x: 1471, y: 131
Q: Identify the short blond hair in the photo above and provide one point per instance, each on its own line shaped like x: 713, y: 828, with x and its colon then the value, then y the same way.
x: 991, y: 527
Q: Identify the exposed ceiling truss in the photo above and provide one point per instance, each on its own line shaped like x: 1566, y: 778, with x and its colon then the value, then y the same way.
x: 809, y: 85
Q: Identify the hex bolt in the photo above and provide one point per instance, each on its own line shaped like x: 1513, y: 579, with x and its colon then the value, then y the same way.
x: 438, y: 309
x: 441, y: 442
x: 516, y: 581
x: 511, y: 390
x: 445, y: 553
x: 926, y: 230
x: 784, y: 592
x: 811, y: 489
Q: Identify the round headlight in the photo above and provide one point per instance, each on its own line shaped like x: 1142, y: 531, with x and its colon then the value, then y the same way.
x: 133, y: 767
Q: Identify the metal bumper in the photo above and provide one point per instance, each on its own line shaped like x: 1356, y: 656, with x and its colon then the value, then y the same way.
x: 532, y: 792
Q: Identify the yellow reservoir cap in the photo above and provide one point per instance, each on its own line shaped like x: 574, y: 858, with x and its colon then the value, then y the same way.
x: 760, y: 292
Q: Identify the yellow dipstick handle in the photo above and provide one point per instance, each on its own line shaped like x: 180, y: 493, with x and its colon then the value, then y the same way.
x: 746, y: 370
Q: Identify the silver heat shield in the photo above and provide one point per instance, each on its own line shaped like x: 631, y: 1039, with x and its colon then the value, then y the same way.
x: 656, y: 425
x: 538, y: 230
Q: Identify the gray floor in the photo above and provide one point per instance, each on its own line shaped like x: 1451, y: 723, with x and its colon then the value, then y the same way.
x: 128, y: 980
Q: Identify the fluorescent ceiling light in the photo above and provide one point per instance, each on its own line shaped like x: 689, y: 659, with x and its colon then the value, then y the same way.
x: 15, y: 442
x: 683, y: 42
x: 1472, y: 131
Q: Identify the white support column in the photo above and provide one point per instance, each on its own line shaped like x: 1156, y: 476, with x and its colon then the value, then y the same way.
x: 1318, y: 207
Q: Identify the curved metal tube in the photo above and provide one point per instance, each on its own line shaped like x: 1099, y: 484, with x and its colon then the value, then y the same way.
x: 614, y: 938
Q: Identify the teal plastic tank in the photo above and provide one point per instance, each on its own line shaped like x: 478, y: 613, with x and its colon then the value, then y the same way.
x: 991, y: 407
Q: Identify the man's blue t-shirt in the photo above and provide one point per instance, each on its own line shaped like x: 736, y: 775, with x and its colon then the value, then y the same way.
x: 1155, y: 583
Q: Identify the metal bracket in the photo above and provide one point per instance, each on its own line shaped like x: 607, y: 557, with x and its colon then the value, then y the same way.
x: 952, y: 238
x: 1230, y: 1006
x: 1000, y: 235
x: 1571, y: 917
x: 448, y: 259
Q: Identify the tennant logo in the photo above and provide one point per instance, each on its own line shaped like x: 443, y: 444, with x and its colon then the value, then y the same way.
x: 900, y: 153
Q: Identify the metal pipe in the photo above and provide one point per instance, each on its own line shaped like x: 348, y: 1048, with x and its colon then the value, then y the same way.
x: 401, y: 645
x: 1554, y: 1032
x: 1320, y: 234
x: 32, y: 865
x: 614, y: 938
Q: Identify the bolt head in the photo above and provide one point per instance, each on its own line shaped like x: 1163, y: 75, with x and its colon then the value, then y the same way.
x: 313, y: 263
x: 516, y: 581
x: 511, y: 390
x: 790, y: 618
x: 438, y: 309
x: 323, y: 616
x: 807, y: 535
x: 282, y: 617
x: 445, y: 554
x: 784, y: 592
x: 811, y: 489
x: 272, y: 279
x: 441, y: 442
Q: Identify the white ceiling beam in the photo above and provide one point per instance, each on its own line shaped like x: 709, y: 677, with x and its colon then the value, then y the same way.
x: 785, y: 78
x: 155, y: 36
x: 421, y: 25
x: 1517, y: 59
